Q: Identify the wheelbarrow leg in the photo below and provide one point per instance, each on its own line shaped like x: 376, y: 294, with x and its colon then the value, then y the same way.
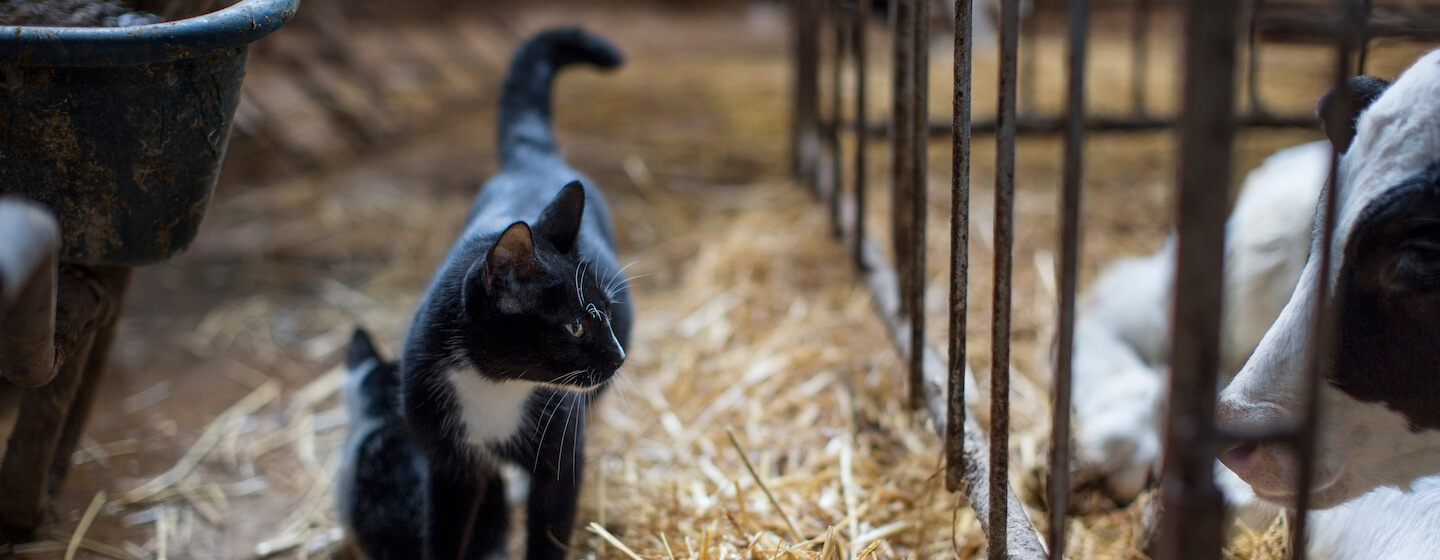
x: 24, y: 472
x: 117, y: 284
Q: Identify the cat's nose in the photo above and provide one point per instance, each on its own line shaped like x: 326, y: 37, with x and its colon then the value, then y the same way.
x: 619, y: 358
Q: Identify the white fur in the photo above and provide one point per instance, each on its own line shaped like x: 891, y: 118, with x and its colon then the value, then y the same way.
x: 491, y: 412
x: 1123, y: 333
x: 1120, y: 364
x: 1361, y: 445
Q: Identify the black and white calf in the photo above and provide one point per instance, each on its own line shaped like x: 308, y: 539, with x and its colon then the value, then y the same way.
x: 1380, y: 412
x: 1380, y: 419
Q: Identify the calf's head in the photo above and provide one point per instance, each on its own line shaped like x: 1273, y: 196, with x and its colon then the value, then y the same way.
x: 1379, y: 415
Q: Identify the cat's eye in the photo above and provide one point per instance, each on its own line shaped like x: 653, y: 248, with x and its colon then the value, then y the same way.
x: 575, y: 329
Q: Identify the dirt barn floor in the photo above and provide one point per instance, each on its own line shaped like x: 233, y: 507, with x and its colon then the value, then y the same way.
x: 218, y: 427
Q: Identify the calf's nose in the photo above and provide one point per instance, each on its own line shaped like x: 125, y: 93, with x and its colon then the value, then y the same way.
x: 1240, y: 458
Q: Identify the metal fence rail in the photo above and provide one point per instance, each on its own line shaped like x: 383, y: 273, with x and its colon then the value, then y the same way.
x: 1191, y: 520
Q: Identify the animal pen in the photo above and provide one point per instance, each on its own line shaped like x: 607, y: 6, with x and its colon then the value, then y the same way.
x: 759, y: 415
x: 829, y: 146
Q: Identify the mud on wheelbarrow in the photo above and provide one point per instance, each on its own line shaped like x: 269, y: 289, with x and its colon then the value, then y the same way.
x: 111, y: 140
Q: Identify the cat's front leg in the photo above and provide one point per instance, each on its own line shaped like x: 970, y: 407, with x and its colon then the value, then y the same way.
x: 554, y: 493
x: 468, y: 517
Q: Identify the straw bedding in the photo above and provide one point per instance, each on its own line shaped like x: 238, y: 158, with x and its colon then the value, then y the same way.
x: 759, y: 414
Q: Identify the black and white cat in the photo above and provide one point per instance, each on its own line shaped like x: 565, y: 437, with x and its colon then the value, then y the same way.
x: 378, y: 486
x: 521, y: 328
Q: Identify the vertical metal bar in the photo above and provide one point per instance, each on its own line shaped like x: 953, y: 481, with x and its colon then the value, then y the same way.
x: 1364, y: 40
x: 1029, y: 69
x: 919, y: 132
x: 1069, y: 271
x: 1191, y: 526
x: 959, y: 248
x: 902, y: 144
x: 837, y: 66
x: 860, y: 29
x: 1252, y: 76
x: 1004, y: 247
x: 1322, y: 349
x: 1139, y: 59
x: 806, y: 113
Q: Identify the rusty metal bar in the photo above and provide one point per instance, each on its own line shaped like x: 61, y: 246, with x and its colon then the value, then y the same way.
x: 859, y: 29
x: 883, y: 283
x: 832, y: 134
x: 902, y: 143
x: 1023, y: 540
x: 1191, y: 523
x: 1321, y: 356
x: 1252, y: 68
x: 1057, y: 124
x: 1298, y: 22
x: 919, y: 166
x: 1139, y: 59
x: 28, y: 265
x: 1004, y: 257
x: 1069, y: 271
x: 1364, y: 40
x: 955, y: 466
x: 1029, y: 70
x: 806, y: 113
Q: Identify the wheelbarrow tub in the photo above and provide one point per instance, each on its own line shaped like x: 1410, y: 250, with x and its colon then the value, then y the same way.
x: 121, y: 131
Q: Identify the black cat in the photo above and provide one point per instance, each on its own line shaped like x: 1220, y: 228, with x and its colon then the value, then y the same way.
x: 522, y: 326
x: 379, y: 485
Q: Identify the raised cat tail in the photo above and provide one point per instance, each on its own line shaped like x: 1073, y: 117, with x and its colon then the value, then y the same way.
x: 525, y: 106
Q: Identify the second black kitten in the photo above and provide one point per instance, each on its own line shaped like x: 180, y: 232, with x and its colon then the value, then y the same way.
x: 379, y: 486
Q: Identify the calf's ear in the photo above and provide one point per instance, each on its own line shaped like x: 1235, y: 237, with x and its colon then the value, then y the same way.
x: 1339, y: 110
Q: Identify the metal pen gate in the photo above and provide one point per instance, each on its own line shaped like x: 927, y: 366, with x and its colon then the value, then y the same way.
x: 1191, y: 522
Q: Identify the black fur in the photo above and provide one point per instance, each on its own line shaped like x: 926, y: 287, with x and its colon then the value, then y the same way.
x: 531, y: 292
x: 1389, y: 291
x: 379, y: 486
x: 1338, y: 118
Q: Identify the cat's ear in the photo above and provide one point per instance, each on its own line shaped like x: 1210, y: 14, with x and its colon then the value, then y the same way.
x: 361, y: 349
x: 508, y: 268
x: 560, y: 221
x: 1339, y: 119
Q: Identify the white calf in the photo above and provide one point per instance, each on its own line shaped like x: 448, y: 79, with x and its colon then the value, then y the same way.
x: 1123, y: 334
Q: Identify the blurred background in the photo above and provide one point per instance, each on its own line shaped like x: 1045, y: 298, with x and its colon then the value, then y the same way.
x: 363, y: 133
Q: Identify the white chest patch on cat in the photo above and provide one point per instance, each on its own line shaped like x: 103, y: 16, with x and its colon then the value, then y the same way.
x: 490, y: 412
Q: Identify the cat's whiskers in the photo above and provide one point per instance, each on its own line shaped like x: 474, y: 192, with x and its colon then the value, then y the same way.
x: 541, y: 443
x: 617, y: 276
x: 560, y: 455
x: 620, y: 374
x: 577, y: 451
x: 562, y: 393
x: 625, y: 285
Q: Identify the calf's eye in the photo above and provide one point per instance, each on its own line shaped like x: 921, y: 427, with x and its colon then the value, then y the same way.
x: 575, y: 328
x: 1416, y: 266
